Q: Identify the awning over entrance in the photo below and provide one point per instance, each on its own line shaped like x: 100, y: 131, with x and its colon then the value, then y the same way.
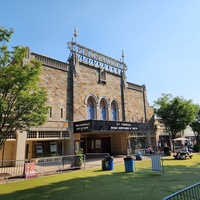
x: 108, y: 126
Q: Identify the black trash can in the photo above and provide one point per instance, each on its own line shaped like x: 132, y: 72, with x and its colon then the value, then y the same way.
x: 167, y: 151
x: 108, y: 163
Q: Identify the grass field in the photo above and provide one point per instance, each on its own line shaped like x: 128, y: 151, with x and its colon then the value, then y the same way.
x: 96, y: 184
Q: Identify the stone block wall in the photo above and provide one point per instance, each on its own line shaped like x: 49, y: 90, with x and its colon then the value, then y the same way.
x: 87, y: 83
x: 55, y: 82
x: 136, y: 104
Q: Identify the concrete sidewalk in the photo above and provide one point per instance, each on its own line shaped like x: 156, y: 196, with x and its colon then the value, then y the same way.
x: 89, y: 164
x: 118, y: 159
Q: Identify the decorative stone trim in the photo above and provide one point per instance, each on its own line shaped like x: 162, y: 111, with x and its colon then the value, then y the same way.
x: 51, y: 62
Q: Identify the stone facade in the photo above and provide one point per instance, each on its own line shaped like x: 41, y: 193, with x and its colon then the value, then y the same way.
x: 69, y: 86
x: 131, y: 100
x: 87, y: 83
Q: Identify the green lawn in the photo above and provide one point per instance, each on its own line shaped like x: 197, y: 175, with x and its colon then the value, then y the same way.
x: 96, y: 184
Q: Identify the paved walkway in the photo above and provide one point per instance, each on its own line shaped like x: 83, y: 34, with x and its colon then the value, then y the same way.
x: 118, y: 159
x: 90, y: 164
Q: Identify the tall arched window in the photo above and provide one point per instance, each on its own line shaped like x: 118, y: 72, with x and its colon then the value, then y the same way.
x: 103, y: 110
x: 90, y: 108
x: 113, y: 111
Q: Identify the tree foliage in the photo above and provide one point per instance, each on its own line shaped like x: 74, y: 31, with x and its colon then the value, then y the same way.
x: 195, y: 125
x: 175, y: 113
x: 22, y: 100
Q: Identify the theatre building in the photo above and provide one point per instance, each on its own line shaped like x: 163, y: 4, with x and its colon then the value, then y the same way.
x: 92, y: 106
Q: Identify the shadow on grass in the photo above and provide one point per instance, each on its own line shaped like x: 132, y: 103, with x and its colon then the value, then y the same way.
x: 115, y: 184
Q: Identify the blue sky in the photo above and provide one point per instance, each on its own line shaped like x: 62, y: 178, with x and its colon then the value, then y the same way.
x: 160, y: 38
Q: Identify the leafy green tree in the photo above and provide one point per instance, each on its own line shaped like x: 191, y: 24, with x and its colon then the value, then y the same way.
x: 175, y: 113
x: 195, y: 125
x: 22, y: 100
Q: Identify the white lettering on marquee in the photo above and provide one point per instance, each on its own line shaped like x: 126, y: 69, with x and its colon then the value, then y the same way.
x: 83, y: 51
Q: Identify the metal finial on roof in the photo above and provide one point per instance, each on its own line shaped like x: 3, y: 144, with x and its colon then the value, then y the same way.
x: 122, y: 56
x: 75, y: 32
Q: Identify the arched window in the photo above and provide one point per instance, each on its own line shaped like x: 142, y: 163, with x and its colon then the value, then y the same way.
x: 113, y: 111
x: 90, y: 108
x: 103, y: 110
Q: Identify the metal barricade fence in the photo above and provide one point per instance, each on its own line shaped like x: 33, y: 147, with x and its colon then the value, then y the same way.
x: 46, y: 165
x: 153, y: 162
x: 145, y: 163
x: 72, y: 162
x: 40, y: 166
x: 95, y: 156
x: 14, y: 168
x: 94, y: 159
x: 190, y: 193
x: 58, y: 164
x: 49, y: 165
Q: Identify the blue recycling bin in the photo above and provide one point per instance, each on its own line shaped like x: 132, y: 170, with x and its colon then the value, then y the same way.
x: 129, y: 164
x: 107, y: 163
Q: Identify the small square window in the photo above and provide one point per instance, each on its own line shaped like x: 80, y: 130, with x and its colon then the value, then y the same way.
x: 61, y: 113
x: 50, y: 112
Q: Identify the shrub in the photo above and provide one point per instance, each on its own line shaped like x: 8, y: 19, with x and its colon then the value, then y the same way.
x: 196, y: 147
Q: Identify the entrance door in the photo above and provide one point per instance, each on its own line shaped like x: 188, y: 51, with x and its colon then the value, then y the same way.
x: 83, y: 144
x: 27, y: 149
x: 106, y: 145
x: 99, y: 145
x: 94, y: 145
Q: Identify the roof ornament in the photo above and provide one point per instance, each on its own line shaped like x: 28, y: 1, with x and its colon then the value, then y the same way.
x: 75, y: 33
x: 122, y: 56
x: 94, y: 57
x: 75, y: 53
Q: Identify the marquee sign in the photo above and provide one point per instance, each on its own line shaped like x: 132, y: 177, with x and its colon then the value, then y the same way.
x: 108, y: 126
x: 95, y: 56
x: 84, y: 126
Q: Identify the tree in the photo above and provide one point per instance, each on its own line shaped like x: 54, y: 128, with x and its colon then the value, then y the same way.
x: 195, y: 125
x: 22, y: 100
x: 175, y: 113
